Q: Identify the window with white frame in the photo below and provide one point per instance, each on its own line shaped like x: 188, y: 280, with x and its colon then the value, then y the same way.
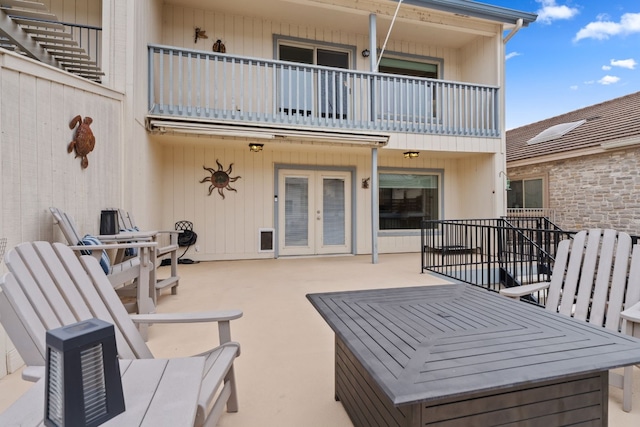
x: 304, y: 91
x: 405, y: 199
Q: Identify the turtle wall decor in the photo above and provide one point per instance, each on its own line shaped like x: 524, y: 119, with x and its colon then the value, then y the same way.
x: 83, y: 141
x: 220, y: 179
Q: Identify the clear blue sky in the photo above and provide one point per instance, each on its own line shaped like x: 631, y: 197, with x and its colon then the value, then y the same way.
x: 578, y: 53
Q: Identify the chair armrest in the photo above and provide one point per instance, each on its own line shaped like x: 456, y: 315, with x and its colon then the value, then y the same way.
x: 520, y: 291
x: 169, y: 231
x: 33, y: 373
x: 173, y: 240
x: 146, y: 244
x: 192, y: 317
x: 128, y: 236
x: 632, y: 313
x: 631, y: 320
x: 222, y: 317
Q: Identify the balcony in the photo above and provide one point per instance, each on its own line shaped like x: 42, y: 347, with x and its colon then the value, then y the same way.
x: 200, y: 86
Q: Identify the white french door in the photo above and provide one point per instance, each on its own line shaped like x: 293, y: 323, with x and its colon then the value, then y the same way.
x: 314, y: 212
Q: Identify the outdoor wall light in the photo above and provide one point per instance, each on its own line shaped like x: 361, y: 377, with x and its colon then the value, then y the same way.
x: 366, y: 53
x: 254, y: 148
x: 411, y: 154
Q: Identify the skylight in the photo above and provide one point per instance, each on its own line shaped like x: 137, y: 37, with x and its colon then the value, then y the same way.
x: 555, y: 132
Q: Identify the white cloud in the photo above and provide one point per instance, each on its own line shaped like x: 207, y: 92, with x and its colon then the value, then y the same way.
x: 574, y: 87
x: 624, y: 63
x: 609, y: 80
x: 589, y: 82
x: 604, y: 28
x: 606, y: 67
x: 512, y: 55
x: 550, y: 11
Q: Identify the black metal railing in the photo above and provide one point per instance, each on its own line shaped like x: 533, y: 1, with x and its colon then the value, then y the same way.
x: 492, y: 253
x: 76, y: 48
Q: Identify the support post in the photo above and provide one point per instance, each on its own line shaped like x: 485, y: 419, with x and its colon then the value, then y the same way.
x: 374, y: 206
x: 373, y: 57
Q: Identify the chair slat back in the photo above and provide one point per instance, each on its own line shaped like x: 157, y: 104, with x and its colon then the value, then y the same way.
x: 633, y: 282
x: 48, y: 286
x: 103, y: 297
x: 123, y: 219
x: 611, y: 284
x: 126, y: 221
x: 39, y: 287
x: 573, y: 272
x: 23, y: 327
x: 593, y: 286
x: 67, y: 226
x: 557, y: 278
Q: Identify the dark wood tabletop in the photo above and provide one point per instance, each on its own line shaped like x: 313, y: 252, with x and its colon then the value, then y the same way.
x: 424, y: 343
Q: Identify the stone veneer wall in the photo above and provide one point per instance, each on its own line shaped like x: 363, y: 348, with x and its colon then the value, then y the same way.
x: 601, y: 190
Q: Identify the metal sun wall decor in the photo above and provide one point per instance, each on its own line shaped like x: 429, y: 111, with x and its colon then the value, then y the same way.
x: 83, y: 141
x: 220, y: 179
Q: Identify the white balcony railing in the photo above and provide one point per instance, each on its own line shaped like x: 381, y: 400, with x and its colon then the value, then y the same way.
x: 222, y: 87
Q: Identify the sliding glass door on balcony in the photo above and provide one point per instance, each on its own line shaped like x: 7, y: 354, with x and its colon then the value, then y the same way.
x: 313, y: 92
x: 400, y: 97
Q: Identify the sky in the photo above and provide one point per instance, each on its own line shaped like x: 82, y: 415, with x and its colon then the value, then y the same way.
x: 577, y: 53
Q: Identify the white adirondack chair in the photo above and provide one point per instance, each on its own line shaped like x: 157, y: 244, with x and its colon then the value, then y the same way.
x: 48, y: 286
x: 163, y: 249
x: 120, y: 265
x: 589, y: 282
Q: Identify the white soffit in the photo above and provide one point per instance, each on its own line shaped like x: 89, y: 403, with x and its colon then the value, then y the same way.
x: 555, y: 132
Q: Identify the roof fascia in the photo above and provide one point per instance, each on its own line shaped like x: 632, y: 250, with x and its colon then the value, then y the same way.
x: 556, y: 157
x: 476, y: 10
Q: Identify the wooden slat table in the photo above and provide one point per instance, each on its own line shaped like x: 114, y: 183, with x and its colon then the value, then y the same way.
x: 157, y: 392
x: 457, y: 355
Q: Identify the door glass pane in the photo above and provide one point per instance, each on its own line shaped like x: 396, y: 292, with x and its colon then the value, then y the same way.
x: 330, y: 58
x: 408, y: 100
x: 332, y: 85
x: 333, y: 218
x: 295, y: 84
x: 296, y: 54
x: 296, y: 212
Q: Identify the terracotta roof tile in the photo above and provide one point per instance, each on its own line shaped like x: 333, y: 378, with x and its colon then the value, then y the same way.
x: 609, y: 121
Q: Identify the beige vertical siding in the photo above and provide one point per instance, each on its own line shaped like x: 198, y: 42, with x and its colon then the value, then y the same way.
x: 228, y: 228
x: 84, y: 12
x: 37, y: 103
x: 36, y: 107
x: 249, y: 36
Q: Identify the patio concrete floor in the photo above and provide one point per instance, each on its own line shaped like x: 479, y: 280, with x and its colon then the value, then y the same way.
x: 285, y: 372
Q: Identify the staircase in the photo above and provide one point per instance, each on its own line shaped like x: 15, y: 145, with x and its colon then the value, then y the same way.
x: 28, y: 28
